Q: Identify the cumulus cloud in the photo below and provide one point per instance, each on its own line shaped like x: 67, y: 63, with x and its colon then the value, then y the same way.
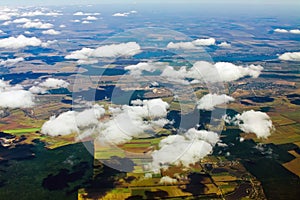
x: 193, y: 44
x: 75, y: 21
x: 72, y: 122
x: 88, y: 55
x: 19, y: 42
x: 128, y: 122
x: 53, y: 83
x: 90, y: 18
x: 51, y: 32
x: 181, y: 45
x: 204, y: 42
x: 86, y: 22
x: 21, y: 21
x: 14, y: 96
x: 10, y: 62
x: 209, y: 101
x: 124, y: 14
x: 167, y: 180
x: 37, y: 25
x: 40, y: 13
x: 223, y: 71
x: 280, y: 30
x: 253, y: 122
x: 200, y: 71
x: 84, y: 14
x: 4, y: 17
x: 184, y: 149
x: 37, y: 90
x: 224, y: 44
x: 293, y: 31
x: 290, y: 56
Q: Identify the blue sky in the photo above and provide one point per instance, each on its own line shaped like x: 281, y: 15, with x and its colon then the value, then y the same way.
x: 70, y: 2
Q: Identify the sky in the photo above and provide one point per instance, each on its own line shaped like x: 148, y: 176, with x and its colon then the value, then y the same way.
x: 70, y: 2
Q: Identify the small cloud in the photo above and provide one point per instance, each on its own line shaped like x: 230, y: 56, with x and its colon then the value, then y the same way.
x: 14, y: 96
x: 290, y: 56
x: 224, y: 44
x: 90, y: 18
x: 204, y: 42
x: 279, y: 30
x: 295, y: 31
x: 19, y: 42
x: 184, y: 149
x: 4, y: 17
x: 53, y: 83
x: 254, y: 122
x: 87, y: 55
x: 37, y: 25
x: 193, y: 44
x: 75, y: 20
x: 86, y: 22
x: 72, y: 122
x: 166, y: 180
x: 84, y: 14
x: 124, y: 14
x: 51, y: 32
x: 10, y: 62
x: 209, y: 101
x: 21, y: 21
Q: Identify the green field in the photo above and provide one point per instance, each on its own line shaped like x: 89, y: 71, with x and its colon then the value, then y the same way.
x: 21, y: 131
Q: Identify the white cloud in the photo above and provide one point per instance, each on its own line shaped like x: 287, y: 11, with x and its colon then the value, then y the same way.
x: 48, y: 43
x: 193, y: 44
x: 53, y: 83
x: 40, y: 13
x: 6, y: 23
x: 75, y: 21
x: 37, y: 25
x: 290, y: 56
x: 125, y: 14
x: 295, y: 31
x: 4, y: 17
x: 19, y: 42
x: 181, y: 45
x: 209, y: 101
x: 128, y: 122
x: 255, y: 122
x: 86, y: 22
x: 14, y: 96
x: 72, y: 122
x: 140, y: 67
x: 184, y: 149
x: 62, y: 26
x: 37, y: 90
x: 10, y: 62
x: 224, y: 44
x: 90, y: 18
x: 224, y: 71
x: 279, y: 30
x: 204, y: 42
x: 167, y: 180
x: 85, y: 14
x: 200, y: 71
x: 21, y: 21
x: 51, y: 32
x: 86, y: 55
